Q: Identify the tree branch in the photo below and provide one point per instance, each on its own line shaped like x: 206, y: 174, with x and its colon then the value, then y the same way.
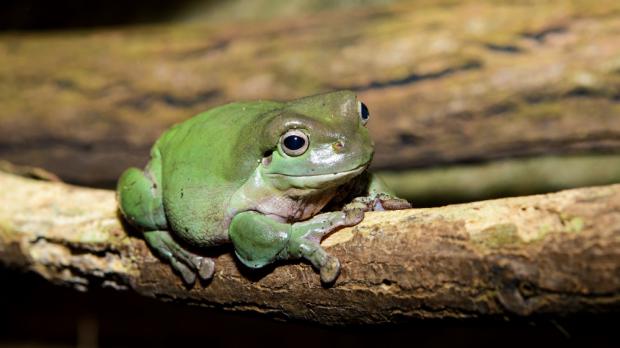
x: 556, y: 253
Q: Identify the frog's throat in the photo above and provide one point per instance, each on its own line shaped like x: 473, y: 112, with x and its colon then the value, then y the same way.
x: 285, y: 197
x: 317, y: 180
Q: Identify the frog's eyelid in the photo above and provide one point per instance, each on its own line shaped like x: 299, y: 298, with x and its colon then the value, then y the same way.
x: 293, y: 124
x: 294, y: 128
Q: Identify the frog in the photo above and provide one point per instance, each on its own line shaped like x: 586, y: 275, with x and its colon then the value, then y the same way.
x: 259, y: 175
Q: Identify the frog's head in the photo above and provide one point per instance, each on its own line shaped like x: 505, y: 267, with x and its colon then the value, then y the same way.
x: 317, y: 142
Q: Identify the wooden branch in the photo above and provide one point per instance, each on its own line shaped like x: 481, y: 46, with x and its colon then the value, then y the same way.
x: 469, y: 81
x: 554, y: 254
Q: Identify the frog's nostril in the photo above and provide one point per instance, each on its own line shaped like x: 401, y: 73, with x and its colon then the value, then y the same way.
x: 338, y: 146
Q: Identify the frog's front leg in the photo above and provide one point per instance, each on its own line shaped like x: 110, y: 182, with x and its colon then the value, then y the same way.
x: 379, y: 197
x: 260, y: 239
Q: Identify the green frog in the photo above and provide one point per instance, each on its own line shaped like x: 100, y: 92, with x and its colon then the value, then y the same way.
x: 258, y: 175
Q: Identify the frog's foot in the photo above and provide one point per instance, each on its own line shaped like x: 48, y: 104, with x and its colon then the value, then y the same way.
x: 378, y: 202
x: 306, y: 238
x: 328, y: 266
x: 183, y: 261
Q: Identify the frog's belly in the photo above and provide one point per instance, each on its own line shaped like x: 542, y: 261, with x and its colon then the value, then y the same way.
x: 202, y: 235
x: 198, y: 221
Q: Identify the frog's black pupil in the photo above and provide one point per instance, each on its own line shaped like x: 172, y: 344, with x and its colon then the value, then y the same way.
x: 294, y: 142
x: 365, y: 113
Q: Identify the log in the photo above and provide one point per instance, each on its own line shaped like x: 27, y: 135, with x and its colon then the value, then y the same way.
x: 446, y: 83
x: 549, y: 254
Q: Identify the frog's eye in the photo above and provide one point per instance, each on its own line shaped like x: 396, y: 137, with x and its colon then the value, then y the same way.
x: 362, y: 110
x: 294, y: 142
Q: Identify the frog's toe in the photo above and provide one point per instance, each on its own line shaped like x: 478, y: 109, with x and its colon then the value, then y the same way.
x: 203, y: 266
x: 395, y: 204
x: 359, y: 203
x: 190, y: 265
x: 330, y: 270
x: 353, y: 216
x: 206, y: 268
x: 188, y: 275
x: 388, y: 202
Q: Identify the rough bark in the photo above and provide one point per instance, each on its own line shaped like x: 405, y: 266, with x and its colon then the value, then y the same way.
x: 555, y: 254
x: 446, y: 81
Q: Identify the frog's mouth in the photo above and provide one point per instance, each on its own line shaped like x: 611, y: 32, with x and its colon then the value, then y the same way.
x: 319, y: 180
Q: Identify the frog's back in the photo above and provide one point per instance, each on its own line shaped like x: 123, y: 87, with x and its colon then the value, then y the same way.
x: 204, y: 161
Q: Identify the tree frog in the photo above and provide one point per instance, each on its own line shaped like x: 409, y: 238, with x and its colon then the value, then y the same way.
x: 258, y: 175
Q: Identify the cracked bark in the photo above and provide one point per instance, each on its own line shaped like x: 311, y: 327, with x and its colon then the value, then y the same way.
x: 445, y: 82
x: 548, y: 254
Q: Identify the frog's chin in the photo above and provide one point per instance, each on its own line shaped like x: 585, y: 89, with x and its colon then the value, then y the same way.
x: 317, y: 181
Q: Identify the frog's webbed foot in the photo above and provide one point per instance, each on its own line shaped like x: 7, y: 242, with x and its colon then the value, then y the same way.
x: 378, y: 202
x: 306, y: 238
x: 183, y: 261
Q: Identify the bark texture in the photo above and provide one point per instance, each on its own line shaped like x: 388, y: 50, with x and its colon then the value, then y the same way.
x: 556, y: 254
x: 446, y: 81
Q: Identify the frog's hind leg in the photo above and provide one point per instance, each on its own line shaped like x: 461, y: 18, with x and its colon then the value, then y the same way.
x: 181, y: 260
x: 140, y: 197
x: 140, y: 201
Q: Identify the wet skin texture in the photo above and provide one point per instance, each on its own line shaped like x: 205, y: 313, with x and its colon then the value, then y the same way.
x: 258, y: 175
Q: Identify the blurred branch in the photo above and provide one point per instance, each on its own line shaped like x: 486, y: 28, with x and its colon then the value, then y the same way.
x: 511, y: 177
x: 555, y: 254
x: 469, y: 81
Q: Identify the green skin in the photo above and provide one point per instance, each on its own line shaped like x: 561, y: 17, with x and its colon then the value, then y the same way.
x: 224, y: 176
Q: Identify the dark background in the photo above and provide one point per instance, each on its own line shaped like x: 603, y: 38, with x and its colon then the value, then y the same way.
x: 64, y: 14
x: 35, y: 313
